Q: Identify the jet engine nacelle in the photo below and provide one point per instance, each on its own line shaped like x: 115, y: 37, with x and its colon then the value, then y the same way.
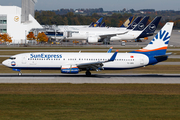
x: 67, y: 34
x: 70, y: 69
x: 92, y: 39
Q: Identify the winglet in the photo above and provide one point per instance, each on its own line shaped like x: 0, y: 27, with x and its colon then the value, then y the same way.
x: 113, y: 56
x: 109, y: 51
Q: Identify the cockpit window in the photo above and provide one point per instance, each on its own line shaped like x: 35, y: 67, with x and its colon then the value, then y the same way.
x: 12, y: 58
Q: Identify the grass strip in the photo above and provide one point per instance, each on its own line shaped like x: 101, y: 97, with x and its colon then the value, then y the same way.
x: 84, y: 89
x: 89, y: 101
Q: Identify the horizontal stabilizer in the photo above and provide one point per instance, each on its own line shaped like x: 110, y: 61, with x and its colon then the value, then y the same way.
x: 167, y: 54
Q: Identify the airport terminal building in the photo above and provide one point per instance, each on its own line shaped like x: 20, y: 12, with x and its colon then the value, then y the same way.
x: 17, y: 22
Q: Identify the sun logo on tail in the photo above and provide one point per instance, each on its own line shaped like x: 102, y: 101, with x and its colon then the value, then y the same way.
x: 162, y: 37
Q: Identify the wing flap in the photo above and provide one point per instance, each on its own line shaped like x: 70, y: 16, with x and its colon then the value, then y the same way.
x: 111, y: 35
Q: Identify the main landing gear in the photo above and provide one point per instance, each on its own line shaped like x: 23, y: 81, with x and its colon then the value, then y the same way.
x: 88, y: 73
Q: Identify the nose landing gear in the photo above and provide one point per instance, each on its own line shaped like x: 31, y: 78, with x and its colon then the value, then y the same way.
x: 20, y: 73
x: 18, y: 70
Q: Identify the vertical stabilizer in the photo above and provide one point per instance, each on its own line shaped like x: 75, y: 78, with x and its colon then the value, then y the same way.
x: 127, y: 22
x: 134, y: 23
x: 161, y: 40
x: 142, y: 24
x: 156, y: 49
x: 150, y: 29
x: 98, y: 23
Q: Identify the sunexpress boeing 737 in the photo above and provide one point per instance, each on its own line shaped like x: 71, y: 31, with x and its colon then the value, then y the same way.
x: 73, y: 63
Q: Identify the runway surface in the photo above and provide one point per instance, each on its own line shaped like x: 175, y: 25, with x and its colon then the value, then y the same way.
x: 95, y: 78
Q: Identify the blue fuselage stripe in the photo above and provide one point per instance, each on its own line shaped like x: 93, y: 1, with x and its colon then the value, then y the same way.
x: 152, y: 54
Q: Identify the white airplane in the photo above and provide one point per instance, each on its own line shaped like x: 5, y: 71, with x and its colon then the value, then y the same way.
x: 80, y: 32
x: 73, y: 63
x: 99, y: 34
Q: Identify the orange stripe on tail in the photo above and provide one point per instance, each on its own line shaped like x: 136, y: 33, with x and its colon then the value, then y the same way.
x: 146, y: 50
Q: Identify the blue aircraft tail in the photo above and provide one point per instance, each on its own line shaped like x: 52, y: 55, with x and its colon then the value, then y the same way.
x: 156, y: 49
x: 127, y: 22
x: 103, y: 24
x: 134, y: 23
x: 150, y: 29
x: 91, y: 25
x: 98, y: 23
x: 142, y: 24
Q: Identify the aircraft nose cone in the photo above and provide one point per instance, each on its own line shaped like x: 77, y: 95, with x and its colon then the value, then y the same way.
x: 5, y: 63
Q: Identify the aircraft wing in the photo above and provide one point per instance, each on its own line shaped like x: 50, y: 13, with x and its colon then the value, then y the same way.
x: 91, y: 66
x: 111, y: 35
x: 97, y: 65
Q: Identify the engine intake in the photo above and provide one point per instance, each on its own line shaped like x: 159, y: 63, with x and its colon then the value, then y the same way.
x: 70, y: 69
x: 92, y: 39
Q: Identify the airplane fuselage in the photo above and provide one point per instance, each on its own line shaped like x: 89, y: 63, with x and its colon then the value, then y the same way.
x: 55, y: 60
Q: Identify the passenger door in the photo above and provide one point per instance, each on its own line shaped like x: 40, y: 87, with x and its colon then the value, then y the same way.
x: 24, y: 59
x: 142, y: 60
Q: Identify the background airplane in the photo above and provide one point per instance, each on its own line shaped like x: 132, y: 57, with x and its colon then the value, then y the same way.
x: 62, y: 32
x: 99, y: 34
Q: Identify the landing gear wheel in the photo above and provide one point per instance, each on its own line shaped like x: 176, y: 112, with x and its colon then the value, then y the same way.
x: 19, y: 73
x: 88, y: 73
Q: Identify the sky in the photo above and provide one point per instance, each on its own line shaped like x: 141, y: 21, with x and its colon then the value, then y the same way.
x: 107, y: 5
